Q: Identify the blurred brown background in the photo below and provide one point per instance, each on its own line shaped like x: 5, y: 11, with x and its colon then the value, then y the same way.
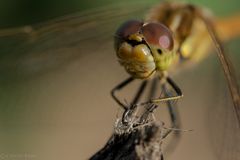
x: 63, y: 110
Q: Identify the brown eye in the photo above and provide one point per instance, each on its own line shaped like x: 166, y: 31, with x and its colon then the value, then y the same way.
x: 158, y: 34
x: 128, y: 28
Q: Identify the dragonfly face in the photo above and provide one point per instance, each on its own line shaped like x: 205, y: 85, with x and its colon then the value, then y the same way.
x: 143, y: 48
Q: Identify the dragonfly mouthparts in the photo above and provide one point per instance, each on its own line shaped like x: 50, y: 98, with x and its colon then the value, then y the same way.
x: 135, y: 42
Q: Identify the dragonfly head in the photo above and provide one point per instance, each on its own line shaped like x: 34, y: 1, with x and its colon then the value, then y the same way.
x: 143, y: 48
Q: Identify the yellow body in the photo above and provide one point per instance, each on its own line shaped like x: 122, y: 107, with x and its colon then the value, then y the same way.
x: 198, y: 43
x: 191, y: 41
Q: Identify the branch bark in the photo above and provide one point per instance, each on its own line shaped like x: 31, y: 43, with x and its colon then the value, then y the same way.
x: 134, y: 143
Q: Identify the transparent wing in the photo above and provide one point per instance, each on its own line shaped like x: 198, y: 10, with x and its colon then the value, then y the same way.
x: 55, y: 82
x: 226, y: 65
x: 207, y: 108
x: 223, y: 104
x: 210, y: 104
x: 222, y: 120
x: 36, y: 48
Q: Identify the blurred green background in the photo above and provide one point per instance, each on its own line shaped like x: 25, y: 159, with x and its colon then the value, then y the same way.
x: 16, y: 13
x: 13, y: 12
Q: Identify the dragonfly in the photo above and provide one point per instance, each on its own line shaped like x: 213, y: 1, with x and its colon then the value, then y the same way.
x: 171, y: 35
x: 144, y: 48
x: 85, y: 40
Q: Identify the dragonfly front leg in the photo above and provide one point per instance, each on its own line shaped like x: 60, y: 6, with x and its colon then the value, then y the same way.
x: 175, y: 120
x: 128, y: 113
x: 150, y: 107
x: 176, y: 89
x: 172, y: 108
x: 166, y: 98
x: 128, y: 109
x: 119, y: 87
x: 122, y: 85
x: 135, y: 100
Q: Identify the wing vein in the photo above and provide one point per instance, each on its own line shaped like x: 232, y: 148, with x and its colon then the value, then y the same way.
x: 226, y: 65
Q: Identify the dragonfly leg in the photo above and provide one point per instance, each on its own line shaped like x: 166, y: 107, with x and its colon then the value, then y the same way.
x: 153, y: 88
x: 170, y: 98
x: 151, y: 107
x: 119, y: 87
x: 166, y: 98
x: 139, y: 92
x: 175, y: 120
x: 122, y: 85
x: 138, y: 95
x: 128, y: 110
x: 172, y: 108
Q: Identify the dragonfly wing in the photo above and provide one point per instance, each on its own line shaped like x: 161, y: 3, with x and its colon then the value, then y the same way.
x: 36, y: 48
x: 223, y: 124
x: 226, y: 65
x: 224, y: 121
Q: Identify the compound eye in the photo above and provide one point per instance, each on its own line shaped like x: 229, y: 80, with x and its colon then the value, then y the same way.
x: 128, y: 28
x: 158, y: 34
